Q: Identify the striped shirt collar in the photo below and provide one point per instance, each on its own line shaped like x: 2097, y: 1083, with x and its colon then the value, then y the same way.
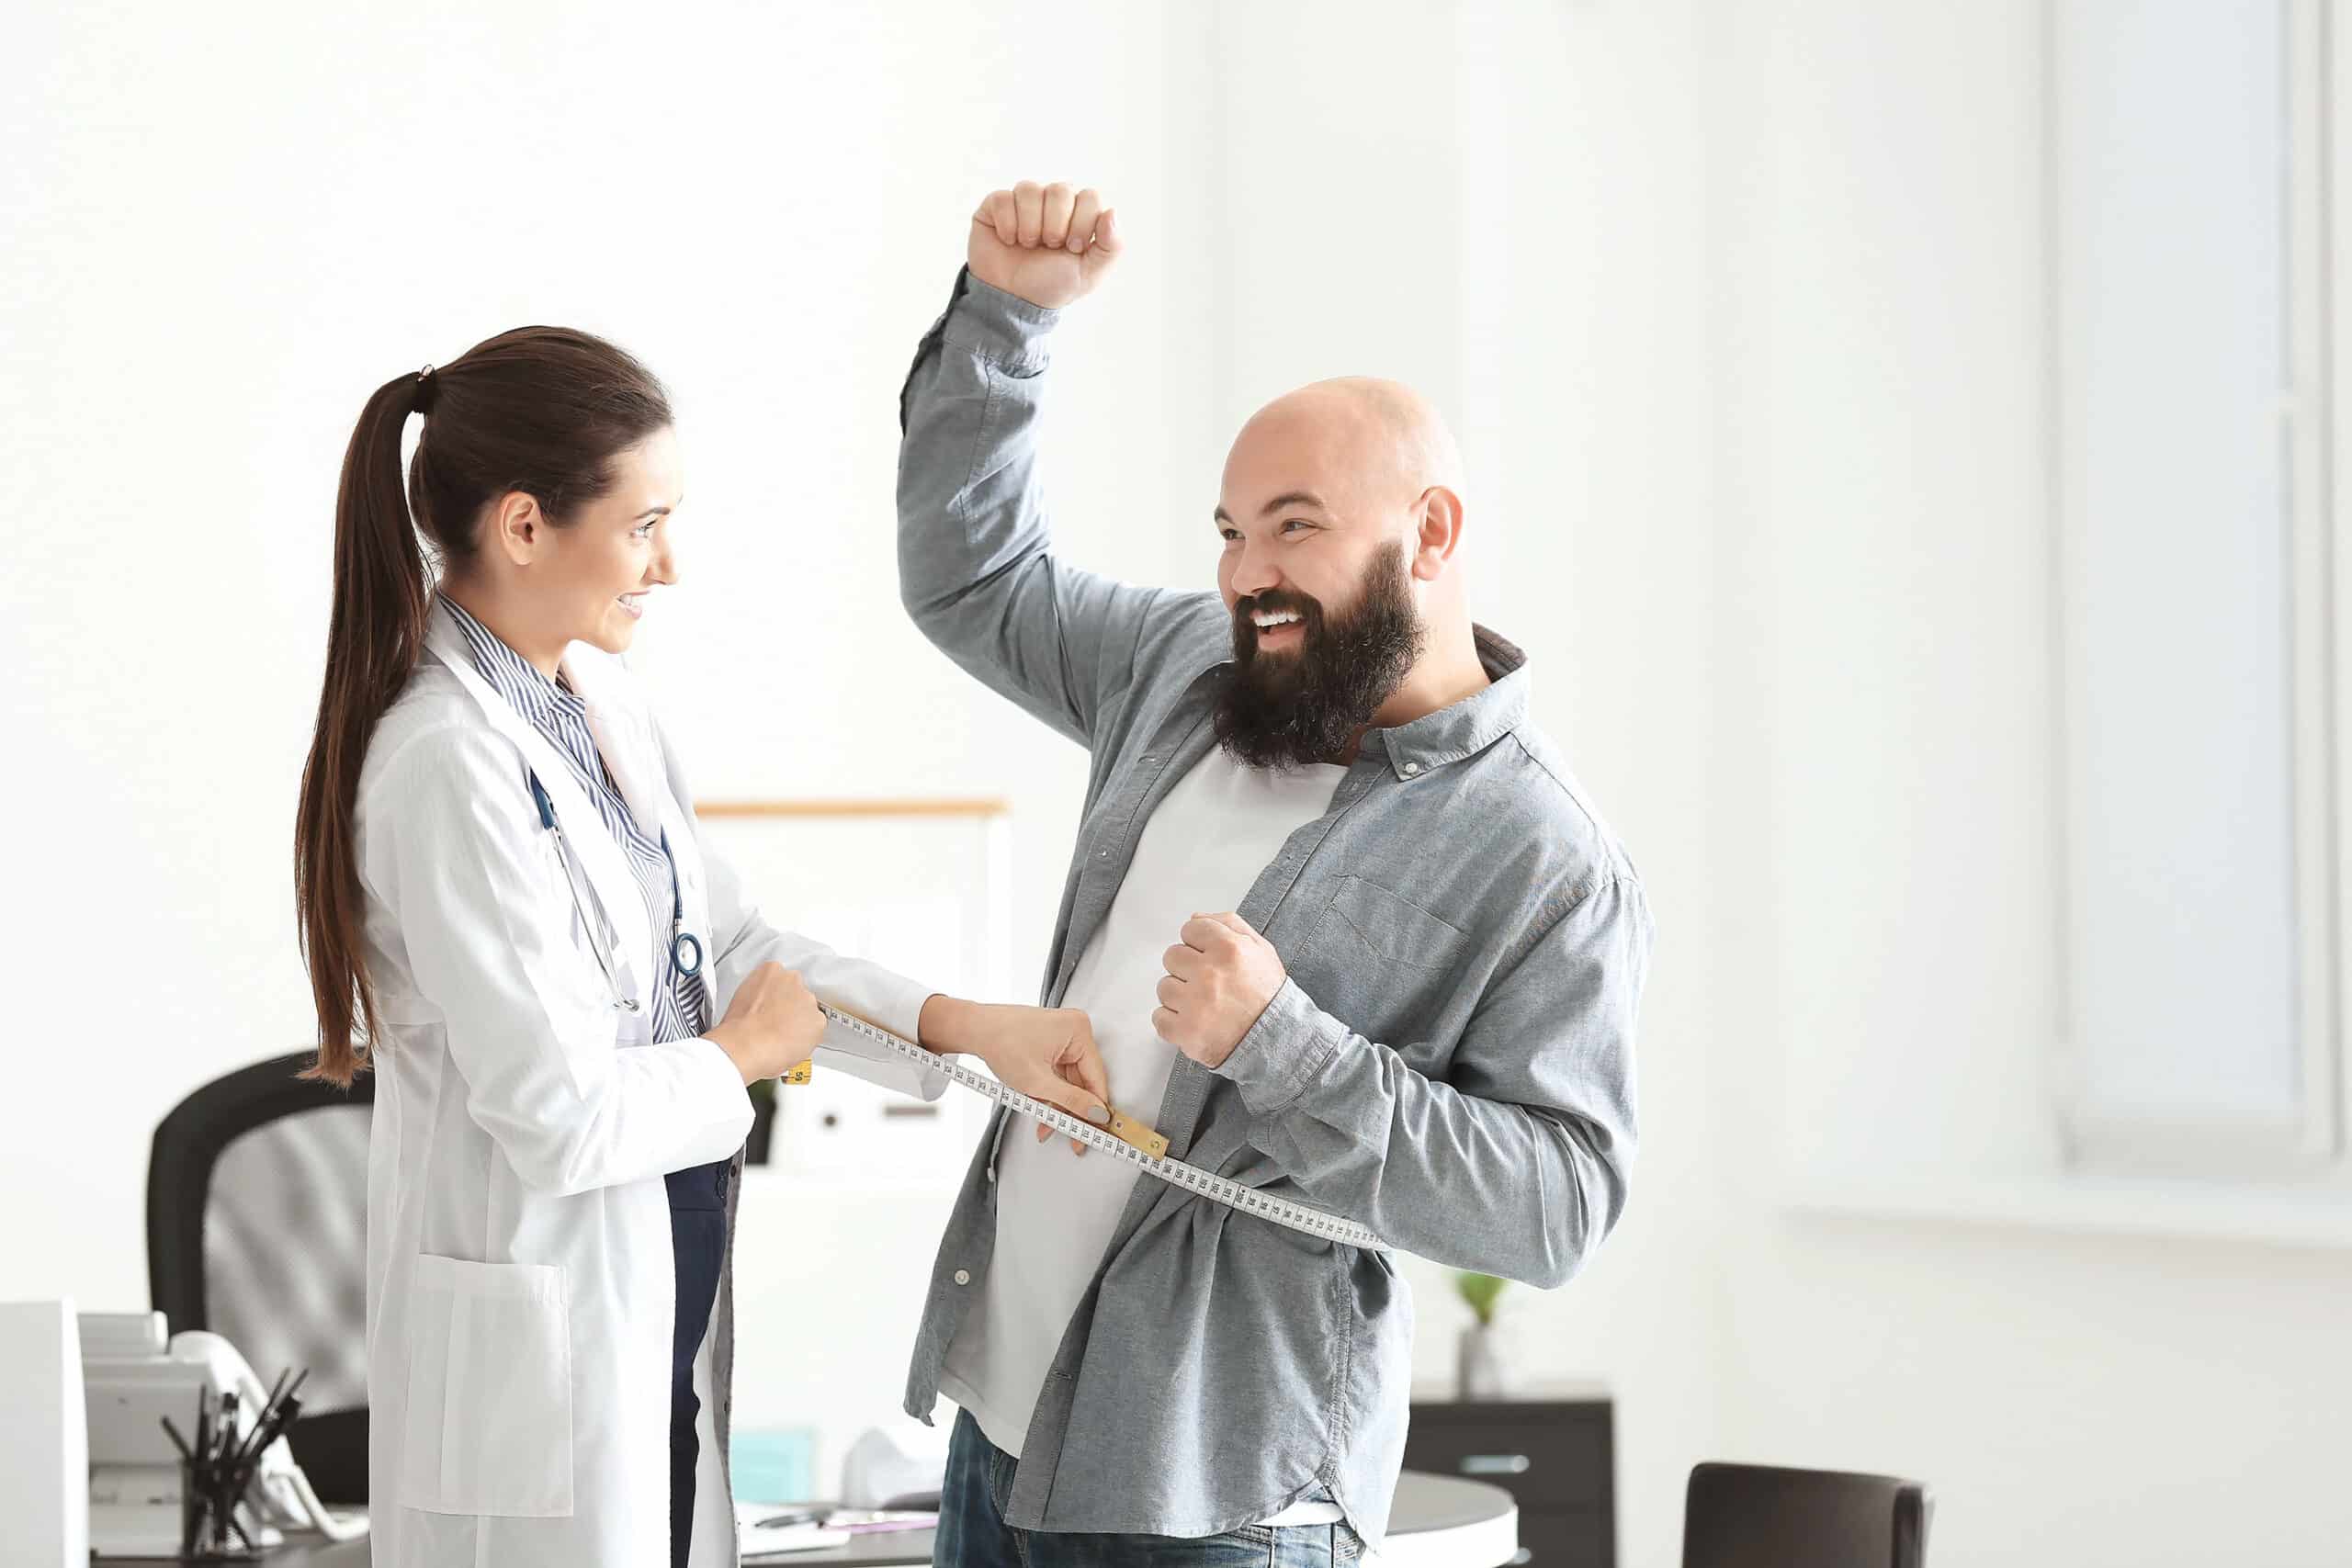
x: 517, y: 679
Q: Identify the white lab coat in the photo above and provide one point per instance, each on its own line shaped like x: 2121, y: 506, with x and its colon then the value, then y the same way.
x: 520, y: 1294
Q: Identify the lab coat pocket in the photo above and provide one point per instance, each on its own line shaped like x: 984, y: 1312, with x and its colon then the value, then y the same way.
x: 488, y: 1427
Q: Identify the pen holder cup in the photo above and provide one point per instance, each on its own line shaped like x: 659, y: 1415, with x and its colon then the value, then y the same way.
x: 211, y: 1530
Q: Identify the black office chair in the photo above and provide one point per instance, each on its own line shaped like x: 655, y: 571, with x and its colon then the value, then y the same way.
x: 1753, y: 1516
x: 257, y: 1230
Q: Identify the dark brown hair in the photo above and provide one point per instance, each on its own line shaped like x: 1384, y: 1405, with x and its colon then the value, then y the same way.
x: 541, y: 409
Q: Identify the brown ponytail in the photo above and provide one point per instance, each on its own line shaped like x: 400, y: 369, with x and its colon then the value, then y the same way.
x: 541, y: 409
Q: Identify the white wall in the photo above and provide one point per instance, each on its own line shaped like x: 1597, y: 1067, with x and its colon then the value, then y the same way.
x: 1887, y: 799
x: 1738, y: 308
x: 223, y: 230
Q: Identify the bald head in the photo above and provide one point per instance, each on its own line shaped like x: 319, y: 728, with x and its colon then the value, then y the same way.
x: 1380, y: 441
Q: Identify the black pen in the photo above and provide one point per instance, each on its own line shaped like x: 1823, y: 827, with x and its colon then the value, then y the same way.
x: 253, y: 1442
x: 283, y: 1406
x: 268, y: 1430
x: 177, y: 1442
x: 194, y: 1486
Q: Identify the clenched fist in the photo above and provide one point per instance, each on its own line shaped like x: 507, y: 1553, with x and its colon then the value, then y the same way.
x: 1049, y: 244
x: 772, y: 1023
x: 1221, y: 974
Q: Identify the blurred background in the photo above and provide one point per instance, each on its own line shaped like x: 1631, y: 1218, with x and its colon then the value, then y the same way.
x: 1899, y: 431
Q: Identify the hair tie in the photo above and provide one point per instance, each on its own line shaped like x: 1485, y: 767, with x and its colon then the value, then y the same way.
x: 428, y: 391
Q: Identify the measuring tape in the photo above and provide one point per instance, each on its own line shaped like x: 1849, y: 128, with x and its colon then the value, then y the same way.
x: 1124, y: 1139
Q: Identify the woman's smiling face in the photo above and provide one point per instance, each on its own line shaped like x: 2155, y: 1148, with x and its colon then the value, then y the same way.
x: 589, y: 582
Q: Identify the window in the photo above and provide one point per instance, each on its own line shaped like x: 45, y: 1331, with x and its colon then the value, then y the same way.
x: 2201, y: 659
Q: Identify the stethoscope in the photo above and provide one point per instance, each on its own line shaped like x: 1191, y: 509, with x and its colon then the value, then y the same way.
x: 686, y: 948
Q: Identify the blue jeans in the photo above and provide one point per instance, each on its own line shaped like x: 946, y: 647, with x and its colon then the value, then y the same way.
x: 973, y: 1534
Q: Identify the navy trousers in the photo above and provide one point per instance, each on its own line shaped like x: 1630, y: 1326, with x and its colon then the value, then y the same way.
x: 698, y: 1237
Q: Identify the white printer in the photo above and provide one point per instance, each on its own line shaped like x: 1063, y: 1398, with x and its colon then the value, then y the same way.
x: 132, y: 1377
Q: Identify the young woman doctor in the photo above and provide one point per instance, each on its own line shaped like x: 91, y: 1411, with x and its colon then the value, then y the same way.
x: 510, y: 914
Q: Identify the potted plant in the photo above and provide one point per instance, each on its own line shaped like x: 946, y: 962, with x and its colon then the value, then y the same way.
x: 1479, y: 1364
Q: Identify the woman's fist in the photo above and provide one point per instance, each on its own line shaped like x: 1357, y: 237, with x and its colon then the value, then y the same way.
x: 772, y: 1025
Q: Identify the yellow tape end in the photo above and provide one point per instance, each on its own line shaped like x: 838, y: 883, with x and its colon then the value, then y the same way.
x: 1137, y: 1135
x: 801, y: 1074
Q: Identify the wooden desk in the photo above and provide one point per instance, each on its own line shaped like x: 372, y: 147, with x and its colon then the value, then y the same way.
x: 1439, y: 1522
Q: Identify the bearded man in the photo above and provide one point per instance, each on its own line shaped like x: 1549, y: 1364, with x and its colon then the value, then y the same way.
x: 1347, y: 930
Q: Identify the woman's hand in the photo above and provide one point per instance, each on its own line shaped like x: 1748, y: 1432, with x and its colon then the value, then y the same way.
x: 772, y: 1025
x: 1047, y: 1054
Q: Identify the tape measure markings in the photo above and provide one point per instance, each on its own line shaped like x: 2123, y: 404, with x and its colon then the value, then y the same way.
x: 1125, y: 1139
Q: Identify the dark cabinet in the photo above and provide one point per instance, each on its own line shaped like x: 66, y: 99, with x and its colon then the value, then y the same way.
x: 1558, y: 1458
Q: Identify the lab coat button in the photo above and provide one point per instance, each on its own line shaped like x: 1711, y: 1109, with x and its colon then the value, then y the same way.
x: 963, y: 1276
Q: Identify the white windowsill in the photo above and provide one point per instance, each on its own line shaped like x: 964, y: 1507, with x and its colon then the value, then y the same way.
x: 2318, y: 1215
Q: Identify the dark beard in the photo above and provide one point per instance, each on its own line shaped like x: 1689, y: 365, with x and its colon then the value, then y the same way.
x: 1291, y: 710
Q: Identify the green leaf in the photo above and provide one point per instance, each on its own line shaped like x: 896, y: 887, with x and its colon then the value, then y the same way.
x: 1480, y: 1290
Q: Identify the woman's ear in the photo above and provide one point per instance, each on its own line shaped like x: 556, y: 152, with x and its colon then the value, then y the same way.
x: 516, y: 527
x: 1437, y: 532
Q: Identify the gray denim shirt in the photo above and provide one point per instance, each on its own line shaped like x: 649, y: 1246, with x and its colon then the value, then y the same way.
x: 1449, y: 1061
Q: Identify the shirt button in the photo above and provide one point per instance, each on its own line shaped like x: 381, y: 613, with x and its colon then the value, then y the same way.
x: 1104, y: 855
x: 1412, y: 768
x: 963, y: 1276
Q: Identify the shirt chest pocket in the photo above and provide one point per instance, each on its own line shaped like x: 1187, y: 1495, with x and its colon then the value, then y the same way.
x: 1381, y: 963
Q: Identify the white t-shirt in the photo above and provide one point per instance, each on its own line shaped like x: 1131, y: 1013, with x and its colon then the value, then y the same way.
x: 1200, y: 854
